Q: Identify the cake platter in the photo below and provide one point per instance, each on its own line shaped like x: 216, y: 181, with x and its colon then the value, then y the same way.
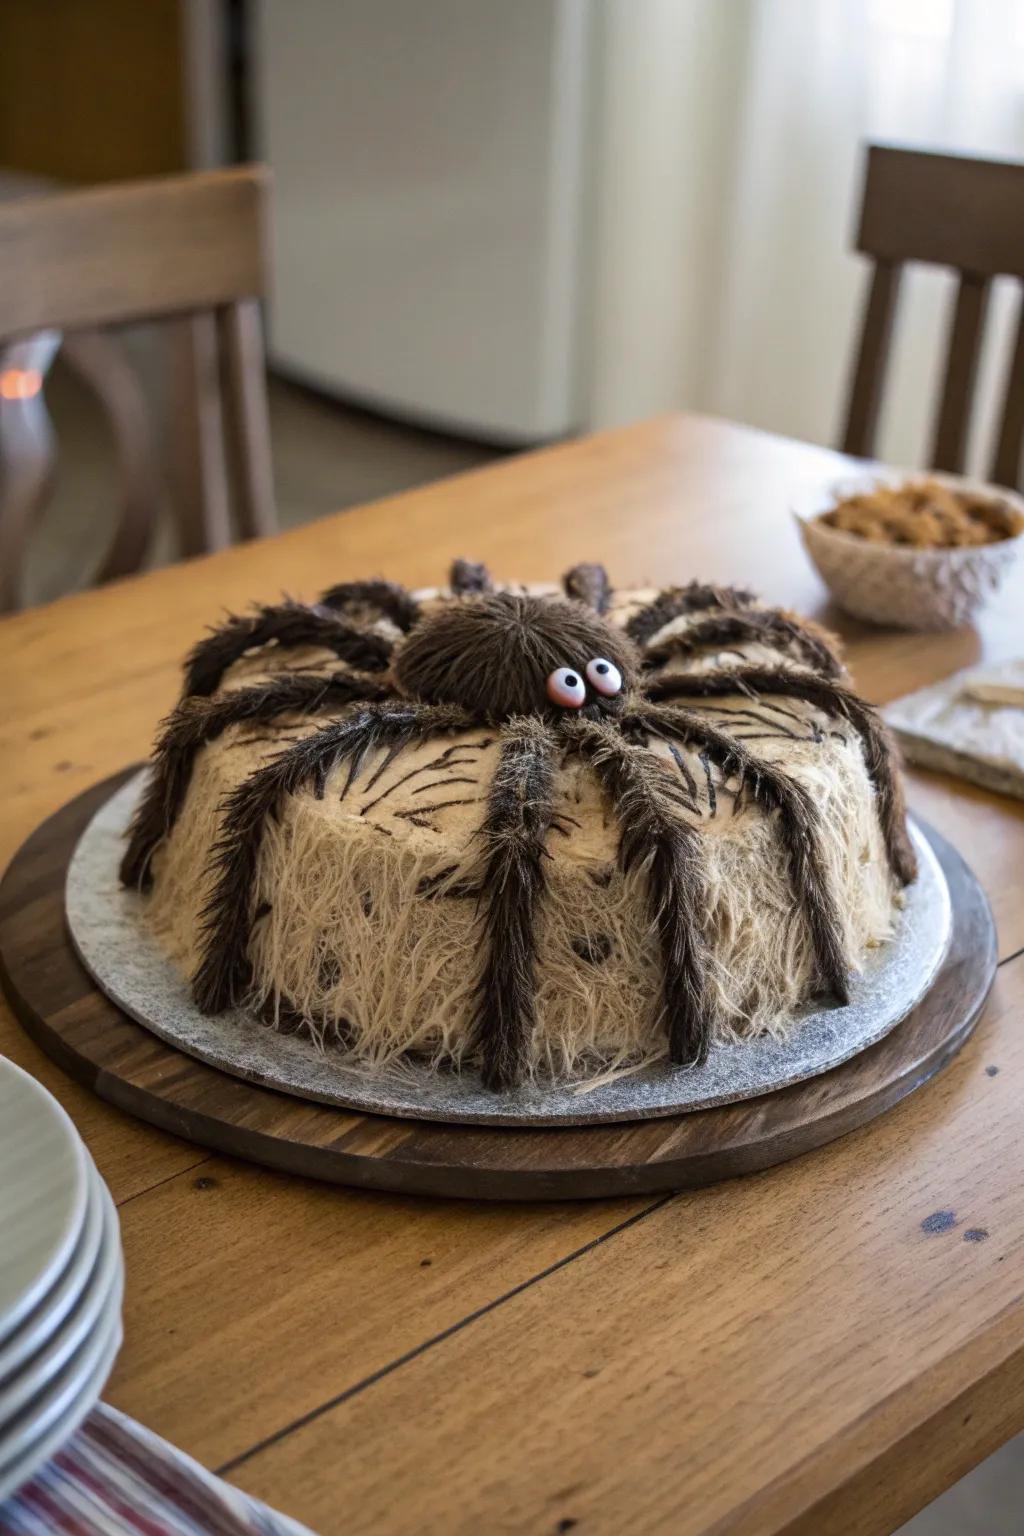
x: 108, y: 928
x: 130, y: 1066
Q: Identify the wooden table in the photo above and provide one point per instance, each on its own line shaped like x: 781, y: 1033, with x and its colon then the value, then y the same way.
x: 801, y: 1351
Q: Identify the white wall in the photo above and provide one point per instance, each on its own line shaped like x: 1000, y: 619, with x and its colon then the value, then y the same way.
x: 727, y: 200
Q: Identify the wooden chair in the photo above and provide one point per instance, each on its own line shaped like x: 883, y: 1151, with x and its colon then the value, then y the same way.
x: 185, y: 250
x: 954, y: 212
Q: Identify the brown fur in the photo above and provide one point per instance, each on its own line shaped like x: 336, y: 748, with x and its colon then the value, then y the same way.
x: 493, y: 655
x: 197, y: 721
x: 286, y: 623
x: 589, y: 584
x: 881, y: 756
x: 512, y: 884
x: 654, y: 838
x: 383, y: 597
x: 776, y: 792
x: 466, y: 577
x: 676, y: 601
x: 771, y: 626
x: 223, y: 974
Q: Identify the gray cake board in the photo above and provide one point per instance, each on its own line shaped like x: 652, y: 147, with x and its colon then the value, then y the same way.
x: 109, y: 931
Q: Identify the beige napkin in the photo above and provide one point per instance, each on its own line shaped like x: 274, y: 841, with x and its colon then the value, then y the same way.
x: 970, y: 724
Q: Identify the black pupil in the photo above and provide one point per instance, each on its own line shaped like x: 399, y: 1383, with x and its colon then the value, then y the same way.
x: 571, y: 680
x: 602, y: 667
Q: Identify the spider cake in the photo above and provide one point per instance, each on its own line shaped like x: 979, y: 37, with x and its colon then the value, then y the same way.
x: 552, y: 834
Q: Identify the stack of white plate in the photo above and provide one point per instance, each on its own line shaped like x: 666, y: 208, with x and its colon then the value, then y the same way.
x: 61, y: 1278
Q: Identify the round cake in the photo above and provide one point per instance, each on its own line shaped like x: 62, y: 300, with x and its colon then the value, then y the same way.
x: 547, y: 833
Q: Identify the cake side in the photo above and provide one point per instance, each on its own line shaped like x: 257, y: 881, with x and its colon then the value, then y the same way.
x: 366, y: 907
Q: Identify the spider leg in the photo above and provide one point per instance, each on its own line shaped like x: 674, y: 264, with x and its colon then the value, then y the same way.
x: 589, y: 584
x: 467, y: 577
x: 880, y: 752
x: 389, y: 599
x: 519, y: 812
x: 289, y: 624
x: 771, y: 626
x: 655, y: 838
x: 197, y: 721
x: 773, y: 790
x: 224, y: 971
x: 674, y: 602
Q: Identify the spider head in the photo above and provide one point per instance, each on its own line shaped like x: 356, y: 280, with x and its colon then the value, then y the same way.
x: 503, y: 654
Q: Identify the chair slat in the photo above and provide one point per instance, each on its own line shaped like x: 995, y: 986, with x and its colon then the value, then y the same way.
x: 204, y: 517
x: 241, y: 335
x: 1006, y: 467
x: 950, y: 441
x: 872, y: 356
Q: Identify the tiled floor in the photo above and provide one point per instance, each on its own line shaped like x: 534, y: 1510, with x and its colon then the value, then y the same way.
x: 327, y: 457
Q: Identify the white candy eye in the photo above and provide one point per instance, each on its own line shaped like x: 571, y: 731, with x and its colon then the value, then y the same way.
x: 604, y: 676
x: 566, y: 688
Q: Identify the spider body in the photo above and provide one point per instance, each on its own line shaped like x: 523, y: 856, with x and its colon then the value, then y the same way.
x: 493, y: 655
x: 643, y: 708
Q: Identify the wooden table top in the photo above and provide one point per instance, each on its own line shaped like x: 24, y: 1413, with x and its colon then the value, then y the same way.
x: 800, y: 1351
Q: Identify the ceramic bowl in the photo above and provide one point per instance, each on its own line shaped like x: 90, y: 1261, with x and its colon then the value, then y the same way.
x: 894, y: 584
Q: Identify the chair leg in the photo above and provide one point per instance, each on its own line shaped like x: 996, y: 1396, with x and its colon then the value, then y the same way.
x: 949, y: 445
x: 865, y: 397
x: 1006, y: 467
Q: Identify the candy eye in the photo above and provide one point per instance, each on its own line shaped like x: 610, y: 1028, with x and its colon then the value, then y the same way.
x: 604, y: 676
x: 566, y: 688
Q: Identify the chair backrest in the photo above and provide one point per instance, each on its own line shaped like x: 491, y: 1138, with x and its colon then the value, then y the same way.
x: 186, y: 250
x: 952, y: 211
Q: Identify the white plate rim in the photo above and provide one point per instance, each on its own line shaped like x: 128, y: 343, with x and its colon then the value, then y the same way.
x: 62, y: 1296
x: 15, y: 1473
x: 78, y: 1324
x: 55, y: 1262
x: 59, y: 1395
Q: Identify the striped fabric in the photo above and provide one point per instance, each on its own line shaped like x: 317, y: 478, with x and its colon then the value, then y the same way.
x: 115, y: 1478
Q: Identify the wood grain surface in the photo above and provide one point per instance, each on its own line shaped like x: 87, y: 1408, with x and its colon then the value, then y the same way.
x: 84, y: 1032
x: 794, y: 1351
x: 814, y: 1349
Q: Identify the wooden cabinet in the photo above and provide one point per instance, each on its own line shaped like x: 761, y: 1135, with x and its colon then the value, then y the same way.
x: 100, y: 90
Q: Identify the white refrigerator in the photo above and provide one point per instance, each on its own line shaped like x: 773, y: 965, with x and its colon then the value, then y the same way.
x: 430, y: 202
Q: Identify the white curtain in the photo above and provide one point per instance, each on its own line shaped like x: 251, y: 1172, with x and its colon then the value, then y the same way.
x: 728, y: 147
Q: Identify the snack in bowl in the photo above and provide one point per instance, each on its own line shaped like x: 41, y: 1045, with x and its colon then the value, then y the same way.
x: 912, y: 552
x: 552, y: 833
x: 926, y: 514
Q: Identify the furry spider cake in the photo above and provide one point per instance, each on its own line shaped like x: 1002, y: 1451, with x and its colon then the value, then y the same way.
x: 554, y: 834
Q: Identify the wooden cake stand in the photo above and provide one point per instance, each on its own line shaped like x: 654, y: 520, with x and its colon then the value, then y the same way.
x: 87, y: 1035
